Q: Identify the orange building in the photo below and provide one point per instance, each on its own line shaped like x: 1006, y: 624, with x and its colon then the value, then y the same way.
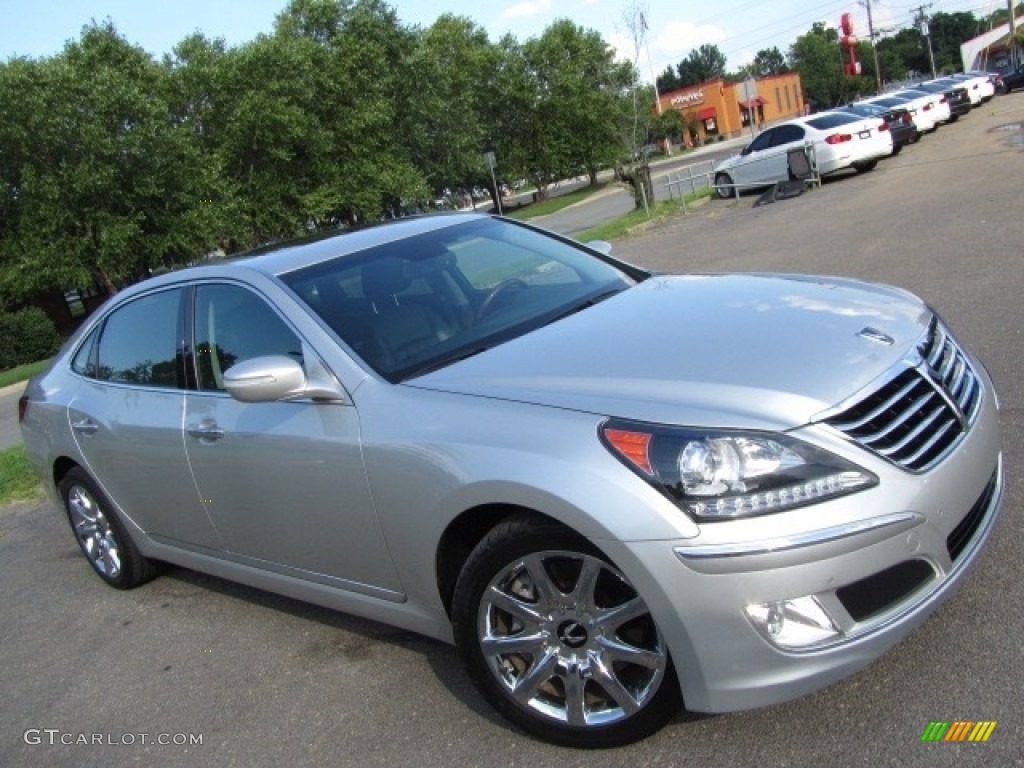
x: 717, y: 108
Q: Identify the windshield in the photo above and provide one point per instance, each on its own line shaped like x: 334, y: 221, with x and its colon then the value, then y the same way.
x: 417, y: 304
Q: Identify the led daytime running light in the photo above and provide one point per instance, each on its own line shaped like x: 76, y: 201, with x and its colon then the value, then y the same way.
x: 780, y: 498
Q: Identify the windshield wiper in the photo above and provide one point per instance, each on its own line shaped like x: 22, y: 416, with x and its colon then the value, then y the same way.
x: 585, y: 304
x: 445, y: 360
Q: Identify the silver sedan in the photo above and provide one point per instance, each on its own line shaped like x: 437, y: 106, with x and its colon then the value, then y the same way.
x: 616, y: 491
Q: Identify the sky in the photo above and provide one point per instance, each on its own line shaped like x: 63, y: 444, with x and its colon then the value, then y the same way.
x: 740, y: 28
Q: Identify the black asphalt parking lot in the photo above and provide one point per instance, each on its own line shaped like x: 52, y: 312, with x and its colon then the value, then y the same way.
x: 261, y: 680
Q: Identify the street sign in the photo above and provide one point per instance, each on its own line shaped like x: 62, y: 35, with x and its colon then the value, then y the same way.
x: 749, y: 89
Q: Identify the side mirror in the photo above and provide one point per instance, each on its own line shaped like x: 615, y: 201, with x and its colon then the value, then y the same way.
x: 272, y: 378
x: 746, y: 150
x: 601, y: 246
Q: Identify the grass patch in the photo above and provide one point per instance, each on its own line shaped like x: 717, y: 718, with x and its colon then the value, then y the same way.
x: 22, y: 373
x: 18, y: 481
x: 552, y: 204
x: 637, y: 220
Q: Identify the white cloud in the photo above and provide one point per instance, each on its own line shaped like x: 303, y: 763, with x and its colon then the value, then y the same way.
x: 682, y: 37
x: 622, y: 44
x: 526, y: 10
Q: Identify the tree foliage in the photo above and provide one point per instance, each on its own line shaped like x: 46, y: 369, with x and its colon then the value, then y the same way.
x: 705, y: 63
x: 702, y: 64
x: 100, y: 181
x: 113, y: 164
x: 818, y: 57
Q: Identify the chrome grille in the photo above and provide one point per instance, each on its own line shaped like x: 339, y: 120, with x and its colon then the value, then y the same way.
x: 922, y: 412
x: 948, y: 366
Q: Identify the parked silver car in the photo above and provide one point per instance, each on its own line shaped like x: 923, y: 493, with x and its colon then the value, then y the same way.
x: 616, y: 491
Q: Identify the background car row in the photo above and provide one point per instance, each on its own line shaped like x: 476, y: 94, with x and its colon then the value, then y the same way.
x: 855, y: 136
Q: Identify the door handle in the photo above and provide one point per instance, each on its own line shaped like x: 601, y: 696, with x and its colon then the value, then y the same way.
x: 85, y: 426
x: 206, y: 432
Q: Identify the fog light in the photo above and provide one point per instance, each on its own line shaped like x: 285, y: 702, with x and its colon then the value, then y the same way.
x: 798, y: 623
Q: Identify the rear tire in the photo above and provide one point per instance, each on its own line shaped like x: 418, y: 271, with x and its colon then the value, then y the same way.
x: 101, y: 535
x: 865, y: 167
x: 558, y: 641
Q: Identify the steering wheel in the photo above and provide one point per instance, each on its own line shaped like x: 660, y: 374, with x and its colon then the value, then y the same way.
x: 491, y: 300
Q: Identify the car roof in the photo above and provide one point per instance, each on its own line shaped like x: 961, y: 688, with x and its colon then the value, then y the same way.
x: 276, y: 259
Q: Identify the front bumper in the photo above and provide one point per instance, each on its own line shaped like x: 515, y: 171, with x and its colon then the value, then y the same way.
x: 933, y: 525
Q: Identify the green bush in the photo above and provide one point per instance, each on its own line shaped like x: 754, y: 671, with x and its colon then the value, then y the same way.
x: 25, y: 337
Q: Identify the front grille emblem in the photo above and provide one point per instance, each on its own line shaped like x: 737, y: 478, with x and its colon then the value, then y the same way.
x: 873, y: 334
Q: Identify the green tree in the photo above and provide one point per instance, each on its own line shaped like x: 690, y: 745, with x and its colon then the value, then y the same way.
x: 818, y: 57
x: 102, y: 183
x: 197, y: 95
x: 668, y: 125
x: 668, y: 80
x: 767, y: 62
x: 310, y: 119
x: 702, y: 64
x: 581, y: 87
x: 444, y: 126
x: 948, y: 32
x: 903, y: 53
x: 553, y: 104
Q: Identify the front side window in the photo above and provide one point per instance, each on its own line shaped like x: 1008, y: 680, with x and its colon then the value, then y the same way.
x: 763, y: 141
x: 138, y: 343
x: 233, y: 324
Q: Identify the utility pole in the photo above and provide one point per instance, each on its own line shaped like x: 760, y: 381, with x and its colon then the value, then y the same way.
x: 922, y: 25
x: 1013, y: 32
x: 874, y: 48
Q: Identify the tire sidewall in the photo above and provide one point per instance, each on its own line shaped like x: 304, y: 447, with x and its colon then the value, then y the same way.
x: 134, y: 568
x: 724, y: 193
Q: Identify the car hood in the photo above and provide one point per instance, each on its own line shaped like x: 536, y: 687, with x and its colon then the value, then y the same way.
x: 753, y: 351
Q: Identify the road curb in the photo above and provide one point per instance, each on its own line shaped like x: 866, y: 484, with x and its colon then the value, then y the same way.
x: 10, y: 389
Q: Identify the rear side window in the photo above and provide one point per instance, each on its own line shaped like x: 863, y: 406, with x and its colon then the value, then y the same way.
x: 139, y: 342
x: 84, y: 362
x: 786, y: 134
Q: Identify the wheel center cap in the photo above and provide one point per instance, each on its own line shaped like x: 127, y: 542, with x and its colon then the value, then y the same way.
x: 572, y: 634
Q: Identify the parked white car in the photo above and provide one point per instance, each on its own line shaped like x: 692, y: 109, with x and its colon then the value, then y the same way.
x: 970, y: 84
x: 980, y: 88
x: 926, y: 109
x: 840, y: 140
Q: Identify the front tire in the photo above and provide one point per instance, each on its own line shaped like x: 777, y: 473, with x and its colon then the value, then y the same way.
x: 101, y: 535
x: 723, y: 186
x: 556, y: 638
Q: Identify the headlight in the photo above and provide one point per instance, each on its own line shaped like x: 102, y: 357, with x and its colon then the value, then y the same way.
x: 725, y: 474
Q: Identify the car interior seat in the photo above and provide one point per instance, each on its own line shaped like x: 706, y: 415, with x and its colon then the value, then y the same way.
x: 404, y: 324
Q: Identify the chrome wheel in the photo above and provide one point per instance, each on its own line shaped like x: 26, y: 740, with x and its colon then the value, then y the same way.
x: 101, y: 535
x: 94, y: 533
x: 567, y: 637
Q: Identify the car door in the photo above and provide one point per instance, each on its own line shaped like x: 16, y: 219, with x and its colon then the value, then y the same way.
x: 126, y: 418
x: 786, y: 137
x: 284, y: 482
x: 752, y: 168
